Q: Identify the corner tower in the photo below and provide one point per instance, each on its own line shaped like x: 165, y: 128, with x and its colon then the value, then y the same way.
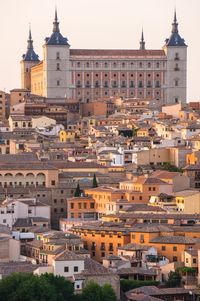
x: 176, y: 70
x: 29, y: 59
x: 56, y: 75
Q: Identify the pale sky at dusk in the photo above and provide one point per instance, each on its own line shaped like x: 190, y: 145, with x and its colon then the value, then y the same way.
x: 97, y: 24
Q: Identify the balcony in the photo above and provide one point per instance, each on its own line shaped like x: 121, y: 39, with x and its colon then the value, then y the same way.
x: 176, y: 69
x: 87, y: 85
x: 78, y: 86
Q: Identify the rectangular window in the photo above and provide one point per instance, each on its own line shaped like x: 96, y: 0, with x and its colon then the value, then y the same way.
x: 92, y: 205
x: 66, y: 269
x: 175, y: 258
x: 174, y: 248
x: 163, y: 248
x: 75, y: 269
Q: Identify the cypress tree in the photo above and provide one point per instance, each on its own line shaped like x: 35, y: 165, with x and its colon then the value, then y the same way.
x: 77, y: 191
x: 94, y: 182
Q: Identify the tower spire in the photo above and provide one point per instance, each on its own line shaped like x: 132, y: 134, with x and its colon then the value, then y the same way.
x: 30, y: 54
x: 175, y: 23
x: 56, y: 23
x: 142, y: 41
x: 30, y: 41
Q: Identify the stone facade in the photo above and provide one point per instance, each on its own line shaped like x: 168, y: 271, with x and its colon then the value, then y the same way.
x: 88, y: 74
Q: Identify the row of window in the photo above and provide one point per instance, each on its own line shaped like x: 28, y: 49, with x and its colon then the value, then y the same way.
x: 66, y: 269
x: 120, y: 64
x: 82, y: 205
x: 123, y: 84
x: 123, y: 75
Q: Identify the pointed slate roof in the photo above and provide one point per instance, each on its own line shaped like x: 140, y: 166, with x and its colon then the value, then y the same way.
x: 175, y: 39
x: 56, y: 38
x: 30, y: 54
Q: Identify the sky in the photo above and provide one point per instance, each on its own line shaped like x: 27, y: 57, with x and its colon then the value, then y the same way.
x: 97, y: 24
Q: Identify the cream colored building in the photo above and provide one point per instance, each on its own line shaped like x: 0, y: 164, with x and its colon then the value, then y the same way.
x: 42, y: 121
x: 9, y: 247
x: 188, y: 201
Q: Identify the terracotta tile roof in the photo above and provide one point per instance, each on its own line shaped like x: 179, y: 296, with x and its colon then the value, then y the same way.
x: 139, y: 271
x: 21, y: 157
x: 140, y: 297
x: 92, y: 267
x: 153, y: 290
x: 69, y: 256
x: 150, y: 228
x: 117, y: 52
x: 26, y: 166
x: 164, y: 174
x: 134, y: 247
x: 16, y: 267
x: 174, y: 240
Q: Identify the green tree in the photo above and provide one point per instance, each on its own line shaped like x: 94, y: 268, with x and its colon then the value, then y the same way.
x: 94, y: 182
x: 77, y: 191
x: 64, y: 289
x: 108, y: 293
x: 170, y: 167
x: 128, y: 284
x: 29, y: 287
x: 174, y: 279
x: 92, y: 292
